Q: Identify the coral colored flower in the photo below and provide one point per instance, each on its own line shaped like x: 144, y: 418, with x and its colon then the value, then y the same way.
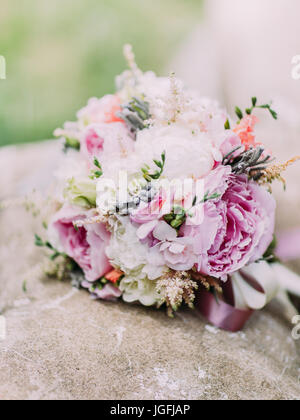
x: 245, y: 130
x: 85, y: 245
x: 114, y: 276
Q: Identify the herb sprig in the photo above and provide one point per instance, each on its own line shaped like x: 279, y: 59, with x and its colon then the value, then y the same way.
x: 157, y: 174
x: 40, y: 243
x: 254, y: 106
x: 96, y: 173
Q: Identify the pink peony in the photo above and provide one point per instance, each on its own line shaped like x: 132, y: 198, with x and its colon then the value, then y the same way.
x: 102, y: 110
x: 238, y: 227
x: 85, y: 245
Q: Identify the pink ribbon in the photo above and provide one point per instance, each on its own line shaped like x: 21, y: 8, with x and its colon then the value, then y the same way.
x: 220, y: 313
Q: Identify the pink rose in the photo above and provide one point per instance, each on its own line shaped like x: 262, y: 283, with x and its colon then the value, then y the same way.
x: 85, y: 245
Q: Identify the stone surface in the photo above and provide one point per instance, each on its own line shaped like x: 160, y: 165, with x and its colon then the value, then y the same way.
x: 62, y: 345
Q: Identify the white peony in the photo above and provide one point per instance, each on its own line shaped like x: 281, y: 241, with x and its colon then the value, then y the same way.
x: 187, y: 154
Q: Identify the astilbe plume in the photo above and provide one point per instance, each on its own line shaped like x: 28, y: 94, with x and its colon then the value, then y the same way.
x: 174, y: 288
x: 273, y: 173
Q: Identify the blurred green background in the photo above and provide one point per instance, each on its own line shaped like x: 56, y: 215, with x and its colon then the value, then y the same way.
x: 61, y: 52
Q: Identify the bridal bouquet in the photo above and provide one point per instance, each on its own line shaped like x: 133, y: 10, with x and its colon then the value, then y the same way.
x: 163, y: 199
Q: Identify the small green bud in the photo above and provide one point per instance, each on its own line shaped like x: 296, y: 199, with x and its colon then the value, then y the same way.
x: 227, y: 125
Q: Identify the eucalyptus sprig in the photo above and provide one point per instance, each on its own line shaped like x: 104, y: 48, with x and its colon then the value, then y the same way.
x: 96, y: 173
x: 254, y: 106
x: 157, y: 174
x: 55, y: 253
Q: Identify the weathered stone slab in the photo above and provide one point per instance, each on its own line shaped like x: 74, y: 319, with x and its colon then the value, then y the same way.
x: 62, y: 345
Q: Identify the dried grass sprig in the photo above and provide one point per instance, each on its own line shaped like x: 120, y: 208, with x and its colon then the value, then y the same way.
x: 273, y: 173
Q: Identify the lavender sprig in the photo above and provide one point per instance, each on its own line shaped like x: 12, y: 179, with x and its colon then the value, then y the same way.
x: 247, y: 162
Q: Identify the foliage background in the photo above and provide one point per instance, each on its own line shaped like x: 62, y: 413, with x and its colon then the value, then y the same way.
x: 61, y: 52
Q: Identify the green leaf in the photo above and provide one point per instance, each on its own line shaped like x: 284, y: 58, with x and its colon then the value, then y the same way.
x: 208, y: 197
x: 97, y: 163
x: 168, y: 218
x: 98, y: 174
x: 38, y: 241
x: 71, y: 144
x: 157, y: 174
x: 274, y: 114
x: 239, y: 113
x: 176, y: 223
x: 271, y: 249
x: 54, y: 256
x: 24, y: 286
